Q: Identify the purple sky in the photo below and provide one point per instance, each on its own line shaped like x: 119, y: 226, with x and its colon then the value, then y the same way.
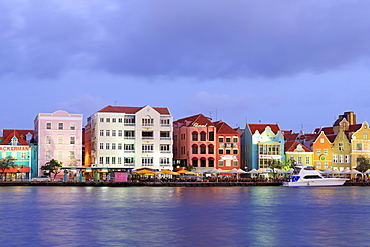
x: 296, y: 63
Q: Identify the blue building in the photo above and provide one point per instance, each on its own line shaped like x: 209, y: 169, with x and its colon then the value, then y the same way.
x: 261, y: 143
x: 19, y: 145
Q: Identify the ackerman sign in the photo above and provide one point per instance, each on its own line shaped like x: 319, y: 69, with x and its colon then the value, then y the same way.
x: 14, y: 148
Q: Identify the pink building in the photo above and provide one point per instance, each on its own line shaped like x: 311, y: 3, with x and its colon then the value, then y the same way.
x: 59, y: 136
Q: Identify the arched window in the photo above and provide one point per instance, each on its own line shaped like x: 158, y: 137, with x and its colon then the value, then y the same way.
x: 194, y: 136
x: 194, y: 149
x: 203, y: 136
x: 203, y: 149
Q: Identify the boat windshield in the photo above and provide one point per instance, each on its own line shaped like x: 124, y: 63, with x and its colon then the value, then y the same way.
x: 312, y: 177
x: 309, y: 168
x: 296, y: 170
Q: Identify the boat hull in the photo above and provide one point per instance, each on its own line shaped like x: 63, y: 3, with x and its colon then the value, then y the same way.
x: 316, y: 182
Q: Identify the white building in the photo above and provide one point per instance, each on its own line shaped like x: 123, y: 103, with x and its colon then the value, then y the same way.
x: 129, y: 138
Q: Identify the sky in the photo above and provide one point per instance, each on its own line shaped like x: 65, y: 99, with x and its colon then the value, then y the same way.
x: 297, y: 63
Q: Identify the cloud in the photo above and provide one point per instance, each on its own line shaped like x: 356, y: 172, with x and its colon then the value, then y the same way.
x: 187, y: 38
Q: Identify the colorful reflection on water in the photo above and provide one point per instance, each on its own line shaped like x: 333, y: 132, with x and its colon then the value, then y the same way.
x: 168, y: 216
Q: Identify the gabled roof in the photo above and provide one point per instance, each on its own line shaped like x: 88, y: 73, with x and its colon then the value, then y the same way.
x: 331, y: 137
x: 224, y: 128
x: 291, y: 137
x: 354, y: 127
x: 309, y: 137
x: 292, y: 145
x: 132, y: 109
x: 199, y: 119
x: 261, y: 127
x: 9, y: 134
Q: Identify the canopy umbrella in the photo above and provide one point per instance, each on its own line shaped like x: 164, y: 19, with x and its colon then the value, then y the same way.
x: 241, y: 171
x: 183, y: 172
x: 254, y: 171
x: 144, y: 172
x: 354, y: 172
x: 367, y: 171
x: 168, y: 172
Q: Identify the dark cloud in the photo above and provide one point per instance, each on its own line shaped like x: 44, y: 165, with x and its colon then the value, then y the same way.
x: 188, y: 38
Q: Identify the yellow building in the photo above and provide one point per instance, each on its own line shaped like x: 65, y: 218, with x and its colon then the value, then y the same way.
x: 360, y: 144
x: 298, y: 153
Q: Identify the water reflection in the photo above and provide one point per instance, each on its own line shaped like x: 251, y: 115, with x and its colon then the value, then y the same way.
x: 218, y: 216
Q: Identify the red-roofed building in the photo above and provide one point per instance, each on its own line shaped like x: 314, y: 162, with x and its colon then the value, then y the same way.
x: 228, y: 146
x: 120, y: 138
x: 297, y: 153
x: 19, y: 144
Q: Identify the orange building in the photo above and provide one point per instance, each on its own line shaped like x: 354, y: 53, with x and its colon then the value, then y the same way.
x: 322, y: 152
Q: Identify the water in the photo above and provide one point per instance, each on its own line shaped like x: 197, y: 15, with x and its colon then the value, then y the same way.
x: 204, y: 216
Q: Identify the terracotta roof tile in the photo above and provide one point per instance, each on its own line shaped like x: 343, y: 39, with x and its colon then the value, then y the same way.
x: 261, y: 127
x: 132, y: 109
x: 224, y: 128
x: 200, y: 119
x: 292, y: 145
x: 9, y: 134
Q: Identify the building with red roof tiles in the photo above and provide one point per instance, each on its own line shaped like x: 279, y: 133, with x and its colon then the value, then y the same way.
x: 298, y: 154
x: 228, y: 146
x: 261, y: 143
x: 194, y: 143
x: 18, y: 145
x: 121, y: 138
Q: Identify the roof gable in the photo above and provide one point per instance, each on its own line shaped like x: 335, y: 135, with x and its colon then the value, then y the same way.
x: 132, y: 109
x: 262, y: 127
x: 224, y: 128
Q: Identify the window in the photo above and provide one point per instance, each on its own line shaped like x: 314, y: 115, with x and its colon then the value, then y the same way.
x: 148, y: 135
x: 322, y: 140
x: 300, y: 160
x: 113, y: 158
x: 107, y: 160
x: 165, y: 148
x: 119, y: 159
x: 129, y: 161
x: 221, y: 151
x: 348, y: 160
x: 203, y: 149
x: 318, y: 151
x: 101, y: 132
x: 113, y: 146
x: 165, y: 122
x: 228, y: 151
x: 147, y: 148
x: 60, y: 154
x: 164, y: 161
x: 326, y: 151
x: 47, y: 155
x: 341, y: 158
x: 211, y: 136
x: 147, y: 121
x: 341, y: 146
x: 129, y: 135
x: 129, y: 121
x: 359, y: 146
x: 48, y: 139
x: 365, y: 137
x: 203, y: 136
x: 194, y: 149
x: 72, y: 140
x: 114, y: 120
x: 120, y: 120
x: 72, y: 154
x: 165, y: 135
x: 108, y: 121
x: 102, y: 121
x: 101, y: 160
x: 107, y: 133
x: 60, y: 139
x: 129, y: 148
x: 335, y: 158
x: 194, y: 136
x: 220, y: 163
x: 72, y: 126
x: 119, y: 146
x: 235, y: 151
x: 202, y: 163
x: 228, y: 139
x: 147, y: 161
x: 195, y: 163
x: 211, y: 150
x: 23, y: 155
x: 107, y: 146
x: 235, y: 163
x: 60, y: 126
x: 113, y: 132
x: 48, y: 125
x: 326, y: 164
x: 220, y: 139
x: 307, y: 160
x: 211, y: 163
x: 318, y: 164
x: 101, y: 146
x: 235, y: 139
x: 119, y: 132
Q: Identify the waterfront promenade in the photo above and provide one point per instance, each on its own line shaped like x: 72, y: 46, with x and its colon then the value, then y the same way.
x: 160, y: 184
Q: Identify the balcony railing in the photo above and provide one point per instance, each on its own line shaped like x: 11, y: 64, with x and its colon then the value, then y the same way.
x: 165, y: 125
x: 147, y: 124
x: 129, y: 138
x: 129, y: 151
x: 165, y: 138
x: 165, y: 151
x: 129, y: 164
x: 148, y: 138
x: 129, y: 124
x: 147, y: 151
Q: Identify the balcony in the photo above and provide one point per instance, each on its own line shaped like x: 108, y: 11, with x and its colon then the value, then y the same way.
x: 148, y: 138
x: 129, y: 124
x: 165, y: 151
x: 129, y: 151
x: 165, y: 125
x: 129, y: 164
x: 165, y: 138
x: 147, y: 151
x: 147, y: 124
x: 129, y: 138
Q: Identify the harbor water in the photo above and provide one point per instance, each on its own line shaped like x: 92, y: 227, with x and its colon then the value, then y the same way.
x: 184, y: 216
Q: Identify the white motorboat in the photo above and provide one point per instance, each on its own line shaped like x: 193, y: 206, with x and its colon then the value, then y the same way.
x: 308, y: 176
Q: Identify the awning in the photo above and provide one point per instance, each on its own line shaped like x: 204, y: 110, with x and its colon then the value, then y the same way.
x: 17, y: 169
x: 194, y: 133
x: 203, y: 158
x: 211, y: 158
x: 194, y: 158
x: 194, y: 145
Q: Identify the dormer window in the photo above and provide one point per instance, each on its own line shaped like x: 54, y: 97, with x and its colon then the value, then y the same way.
x: 14, y: 140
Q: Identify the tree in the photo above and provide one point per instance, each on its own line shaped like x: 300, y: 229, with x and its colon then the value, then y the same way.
x: 274, y: 165
x: 288, y: 164
x: 189, y: 167
x: 5, y: 163
x: 363, y: 164
x: 52, y: 167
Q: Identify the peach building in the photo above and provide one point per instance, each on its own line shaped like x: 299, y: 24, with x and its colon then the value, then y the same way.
x: 194, y: 142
